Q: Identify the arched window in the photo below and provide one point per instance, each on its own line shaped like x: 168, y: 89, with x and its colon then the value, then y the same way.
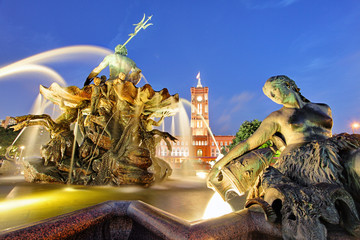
x: 199, y: 153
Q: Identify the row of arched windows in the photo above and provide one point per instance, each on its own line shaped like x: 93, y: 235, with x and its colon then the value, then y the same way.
x: 200, y: 143
x: 221, y: 143
x: 177, y: 143
x: 181, y: 152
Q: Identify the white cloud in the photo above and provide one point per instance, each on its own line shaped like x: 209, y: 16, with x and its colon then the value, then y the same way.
x: 286, y: 3
x: 237, y: 102
x: 318, y: 63
x: 263, y: 4
x: 225, y: 118
x: 225, y: 121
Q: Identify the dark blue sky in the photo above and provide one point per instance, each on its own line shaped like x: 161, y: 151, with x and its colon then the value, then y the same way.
x: 235, y: 44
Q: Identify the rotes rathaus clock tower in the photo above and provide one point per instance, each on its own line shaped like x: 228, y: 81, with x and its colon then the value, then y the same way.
x: 200, y: 109
x: 202, y: 146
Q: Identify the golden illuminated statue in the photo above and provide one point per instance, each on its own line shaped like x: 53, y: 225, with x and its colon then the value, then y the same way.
x: 116, y: 120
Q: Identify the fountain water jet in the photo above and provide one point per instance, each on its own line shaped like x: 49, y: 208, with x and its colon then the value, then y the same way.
x: 59, y: 54
x: 31, y: 64
x: 17, y: 69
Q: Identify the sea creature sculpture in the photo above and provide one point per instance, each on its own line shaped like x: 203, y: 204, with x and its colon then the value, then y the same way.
x: 118, y: 140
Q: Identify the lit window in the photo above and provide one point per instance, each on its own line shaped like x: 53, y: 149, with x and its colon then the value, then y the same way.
x: 163, y: 151
x: 199, y: 153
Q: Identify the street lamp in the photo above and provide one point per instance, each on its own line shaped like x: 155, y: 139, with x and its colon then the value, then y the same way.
x: 355, y: 125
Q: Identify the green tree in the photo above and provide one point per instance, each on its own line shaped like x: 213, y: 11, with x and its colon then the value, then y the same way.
x: 7, y: 136
x: 246, y: 129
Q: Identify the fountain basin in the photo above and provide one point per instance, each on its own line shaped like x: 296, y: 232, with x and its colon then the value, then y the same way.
x: 138, y: 220
x: 169, y: 211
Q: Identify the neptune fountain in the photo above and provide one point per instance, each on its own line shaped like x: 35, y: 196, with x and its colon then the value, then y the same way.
x: 118, y: 143
x: 310, y: 192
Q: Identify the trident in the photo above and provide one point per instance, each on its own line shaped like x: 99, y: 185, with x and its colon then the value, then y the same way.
x: 139, y: 26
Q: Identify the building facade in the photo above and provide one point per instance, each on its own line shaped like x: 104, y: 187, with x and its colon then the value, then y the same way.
x: 7, y: 122
x: 201, y: 147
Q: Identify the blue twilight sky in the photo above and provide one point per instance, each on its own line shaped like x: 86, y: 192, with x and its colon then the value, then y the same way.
x: 235, y: 44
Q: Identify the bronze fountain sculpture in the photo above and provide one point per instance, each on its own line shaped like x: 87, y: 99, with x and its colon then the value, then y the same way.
x: 115, y: 119
x: 310, y: 190
x: 313, y: 185
x: 118, y: 140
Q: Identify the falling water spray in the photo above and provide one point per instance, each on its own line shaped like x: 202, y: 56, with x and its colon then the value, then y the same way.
x: 74, y: 148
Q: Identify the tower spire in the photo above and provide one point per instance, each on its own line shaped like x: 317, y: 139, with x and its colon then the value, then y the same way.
x: 199, y: 81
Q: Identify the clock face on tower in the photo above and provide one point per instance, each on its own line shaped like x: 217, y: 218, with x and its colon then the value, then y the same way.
x: 199, y: 98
